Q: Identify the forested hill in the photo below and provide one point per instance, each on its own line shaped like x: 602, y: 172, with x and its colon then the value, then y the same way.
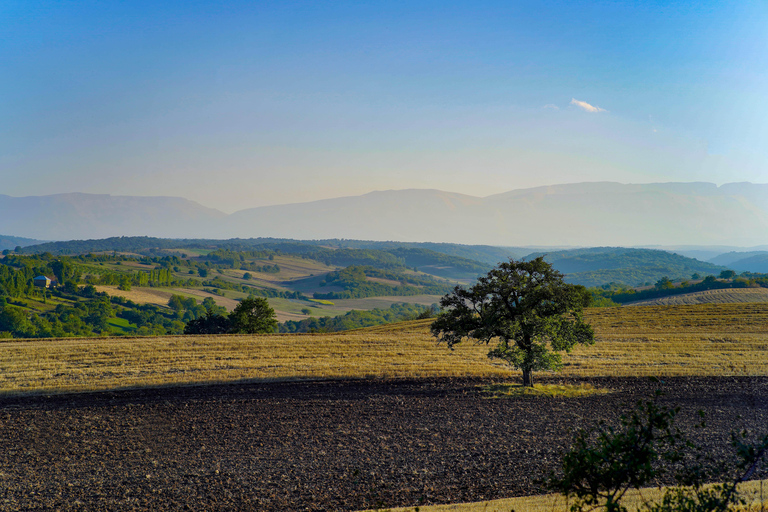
x: 447, y: 260
x: 444, y: 260
x: 630, y: 267
x: 487, y: 254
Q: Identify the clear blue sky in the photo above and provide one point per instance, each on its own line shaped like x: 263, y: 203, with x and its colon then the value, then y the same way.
x: 241, y: 104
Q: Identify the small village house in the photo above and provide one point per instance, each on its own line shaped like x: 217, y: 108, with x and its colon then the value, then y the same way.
x: 44, y: 282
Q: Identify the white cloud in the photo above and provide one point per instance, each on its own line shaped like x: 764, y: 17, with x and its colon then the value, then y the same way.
x: 551, y: 106
x: 586, y: 106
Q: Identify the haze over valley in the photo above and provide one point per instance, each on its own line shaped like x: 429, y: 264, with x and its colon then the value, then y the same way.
x: 583, y: 214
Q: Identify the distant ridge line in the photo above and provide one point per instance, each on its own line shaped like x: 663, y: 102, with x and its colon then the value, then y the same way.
x: 578, y: 214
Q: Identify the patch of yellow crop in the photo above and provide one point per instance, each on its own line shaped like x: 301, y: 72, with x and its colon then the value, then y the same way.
x: 508, y: 390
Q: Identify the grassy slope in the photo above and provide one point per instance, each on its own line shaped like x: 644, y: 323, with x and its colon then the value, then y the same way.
x: 725, y: 339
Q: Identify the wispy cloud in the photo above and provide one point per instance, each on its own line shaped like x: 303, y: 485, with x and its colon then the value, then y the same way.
x: 586, y: 106
x: 551, y: 106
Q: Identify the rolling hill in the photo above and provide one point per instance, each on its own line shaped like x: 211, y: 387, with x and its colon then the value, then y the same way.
x: 631, y: 267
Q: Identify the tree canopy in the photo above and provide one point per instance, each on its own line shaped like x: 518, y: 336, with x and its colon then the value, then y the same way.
x: 252, y: 316
x: 527, y: 307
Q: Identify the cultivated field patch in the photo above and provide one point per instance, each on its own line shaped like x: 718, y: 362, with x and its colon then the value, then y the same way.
x: 158, y: 296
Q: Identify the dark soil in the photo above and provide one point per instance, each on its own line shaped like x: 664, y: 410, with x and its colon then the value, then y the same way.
x: 340, y: 445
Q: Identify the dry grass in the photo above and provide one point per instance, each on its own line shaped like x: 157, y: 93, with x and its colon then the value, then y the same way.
x: 704, y: 339
x: 91, y: 364
x: 504, y: 390
x: 724, y: 339
x: 633, y: 500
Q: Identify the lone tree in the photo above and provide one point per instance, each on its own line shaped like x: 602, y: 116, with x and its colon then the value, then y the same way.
x: 527, y: 307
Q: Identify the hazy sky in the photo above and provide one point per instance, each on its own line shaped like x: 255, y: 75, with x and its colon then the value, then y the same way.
x: 242, y: 104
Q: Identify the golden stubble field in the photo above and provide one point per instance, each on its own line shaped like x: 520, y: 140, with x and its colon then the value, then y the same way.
x: 706, y: 339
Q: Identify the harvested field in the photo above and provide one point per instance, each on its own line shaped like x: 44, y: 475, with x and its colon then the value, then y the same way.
x: 88, y: 364
x: 707, y: 339
x: 731, y: 296
x: 344, y: 445
x: 704, y: 339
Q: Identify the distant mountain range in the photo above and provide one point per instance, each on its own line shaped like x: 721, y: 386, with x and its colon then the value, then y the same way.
x: 583, y: 214
x: 11, y: 242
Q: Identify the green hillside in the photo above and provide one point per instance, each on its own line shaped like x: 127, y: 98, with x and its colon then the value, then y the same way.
x: 630, y: 267
x: 443, y: 260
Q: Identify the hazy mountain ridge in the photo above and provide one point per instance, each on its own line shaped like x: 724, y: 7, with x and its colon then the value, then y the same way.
x: 756, y: 263
x: 581, y: 214
x: 89, y: 216
x: 11, y: 242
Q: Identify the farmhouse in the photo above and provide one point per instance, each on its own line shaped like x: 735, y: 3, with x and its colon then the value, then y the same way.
x: 44, y: 282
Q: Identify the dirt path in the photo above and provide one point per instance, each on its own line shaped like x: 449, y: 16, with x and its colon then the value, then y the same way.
x: 341, y: 445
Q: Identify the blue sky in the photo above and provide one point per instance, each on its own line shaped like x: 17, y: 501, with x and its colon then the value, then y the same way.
x: 242, y: 104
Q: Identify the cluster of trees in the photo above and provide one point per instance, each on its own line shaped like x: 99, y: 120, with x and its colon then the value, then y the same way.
x: 354, y: 280
x: 441, y: 263
x: 358, y: 319
x: 242, y: 260
x: 217, y: 283
x: 84, y: 318
x: 665, y: 287
x: 252, y: 315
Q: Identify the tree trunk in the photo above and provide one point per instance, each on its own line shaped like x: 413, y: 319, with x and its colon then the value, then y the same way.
x: 527, y: 378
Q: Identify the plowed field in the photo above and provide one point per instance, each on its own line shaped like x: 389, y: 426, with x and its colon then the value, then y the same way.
x: 330, y: 445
